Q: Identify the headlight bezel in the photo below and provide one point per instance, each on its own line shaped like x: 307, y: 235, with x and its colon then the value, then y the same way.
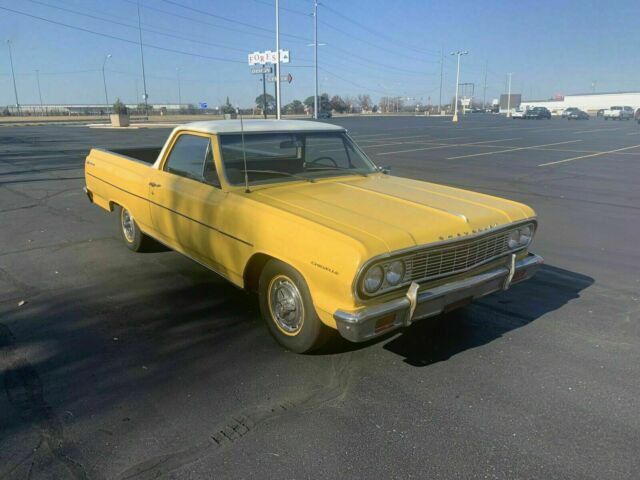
x: 383, y: 261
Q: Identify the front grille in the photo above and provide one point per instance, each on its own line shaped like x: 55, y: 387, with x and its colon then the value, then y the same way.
x: 451, y: 259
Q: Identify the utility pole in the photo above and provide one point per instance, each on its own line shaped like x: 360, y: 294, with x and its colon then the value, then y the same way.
x: 179, y: 89
x: 484, y: 96
x: 104, y: 81
x: 315, y: 57
x: 455, y: 108
x: 144, y: 77
x: 277, y: 59
x: 441, y: 76
x: 39, y: 92
x: 13, y: 74
x: 509, y: 97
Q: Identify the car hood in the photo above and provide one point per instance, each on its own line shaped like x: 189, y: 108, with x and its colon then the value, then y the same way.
x: 387, y: 213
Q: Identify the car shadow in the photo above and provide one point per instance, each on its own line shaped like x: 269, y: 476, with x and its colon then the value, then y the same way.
x: 437, y: 339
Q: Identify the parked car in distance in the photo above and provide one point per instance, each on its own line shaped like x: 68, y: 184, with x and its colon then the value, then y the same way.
x: 567, y: 111
x: 324, y: 114
x: 295, y: 211
x: 538, y: 113
x: 618, y: 113
x: 600, y: 113
x: 577, y: 114
x: 637, y: 116
x: 518, y: 113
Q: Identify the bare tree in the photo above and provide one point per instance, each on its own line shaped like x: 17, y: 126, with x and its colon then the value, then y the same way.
x: 364, y: 101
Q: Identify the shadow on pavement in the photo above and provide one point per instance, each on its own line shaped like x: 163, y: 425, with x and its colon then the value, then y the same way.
x: 437, y: 339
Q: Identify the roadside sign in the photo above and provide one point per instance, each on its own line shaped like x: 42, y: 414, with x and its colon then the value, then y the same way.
x: 203, y: 104
x: 283, y: 78
x: 262, y: 58
x: 260, y: 70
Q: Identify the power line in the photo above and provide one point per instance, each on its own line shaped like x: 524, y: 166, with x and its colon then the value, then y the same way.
x: 237, y: 22
x: 127, y: 25
x: 113, y: 37
x: 377, y: 32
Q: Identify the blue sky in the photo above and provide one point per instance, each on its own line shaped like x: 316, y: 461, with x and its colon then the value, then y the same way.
x: 379, y: 47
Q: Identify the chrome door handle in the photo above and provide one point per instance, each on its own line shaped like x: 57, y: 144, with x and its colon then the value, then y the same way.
x: 154, y: 184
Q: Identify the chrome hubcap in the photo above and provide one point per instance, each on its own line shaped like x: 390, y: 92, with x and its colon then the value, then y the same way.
x: 285, y: 303
x: 127, y: 226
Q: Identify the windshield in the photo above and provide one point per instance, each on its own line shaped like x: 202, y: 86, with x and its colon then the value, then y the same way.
x: 285, y: 157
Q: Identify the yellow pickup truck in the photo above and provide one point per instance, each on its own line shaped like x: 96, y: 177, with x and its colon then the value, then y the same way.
x: 297, y: 212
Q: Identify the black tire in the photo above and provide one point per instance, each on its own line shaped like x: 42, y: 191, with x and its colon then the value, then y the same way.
x: 131, y: 234
x: 303, y: 335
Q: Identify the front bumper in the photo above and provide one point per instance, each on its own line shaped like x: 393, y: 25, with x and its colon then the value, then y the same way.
x: 376, y: 320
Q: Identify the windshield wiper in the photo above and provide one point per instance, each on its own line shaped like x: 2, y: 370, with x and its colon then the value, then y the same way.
x: 307, y: 179
x: 362, y: 174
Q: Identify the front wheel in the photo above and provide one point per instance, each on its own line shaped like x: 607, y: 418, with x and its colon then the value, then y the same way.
x: 286, y: 306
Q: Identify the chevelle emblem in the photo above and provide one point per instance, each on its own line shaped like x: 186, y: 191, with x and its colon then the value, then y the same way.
x: 330, y: 270
x: 472, y: 232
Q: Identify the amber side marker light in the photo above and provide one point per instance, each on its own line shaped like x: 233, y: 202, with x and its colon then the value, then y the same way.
x: 384, y: 323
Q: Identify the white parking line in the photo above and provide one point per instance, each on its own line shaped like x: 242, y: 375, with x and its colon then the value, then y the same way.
x: 587, y: 156
x: 445, y: 145
x: 433, y: 141
x: 634, y: 133
x: 512, y: 150
x: 599, y: 130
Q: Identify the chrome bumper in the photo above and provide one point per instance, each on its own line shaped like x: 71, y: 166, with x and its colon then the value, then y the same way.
x: 370, y: 322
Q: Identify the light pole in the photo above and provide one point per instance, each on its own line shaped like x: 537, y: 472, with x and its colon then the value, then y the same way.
x: 13, y: 74
x: 315, y: 57
x: 104, y: 81
x: 39, y: 91
x: 315, y: 46
x: 144, y: 77
x: 455, y: 107
x: 179, y: 90
x: 509, y: 97
x: 277, y: 60
x: 441, y: 76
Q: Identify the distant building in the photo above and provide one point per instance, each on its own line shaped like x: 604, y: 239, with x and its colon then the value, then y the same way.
x: 589, y: 102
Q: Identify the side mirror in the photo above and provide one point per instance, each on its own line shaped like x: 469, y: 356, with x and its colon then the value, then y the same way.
x: 385, y: 170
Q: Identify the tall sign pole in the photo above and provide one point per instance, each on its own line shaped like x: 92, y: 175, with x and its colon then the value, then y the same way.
x: 13, y: 74
x: 277, y: 60
x: 315, y: 57
x: 484, y: 96
x: 144, y: 77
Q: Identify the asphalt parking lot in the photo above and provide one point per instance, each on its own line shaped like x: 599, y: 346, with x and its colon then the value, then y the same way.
x: 123, y: 365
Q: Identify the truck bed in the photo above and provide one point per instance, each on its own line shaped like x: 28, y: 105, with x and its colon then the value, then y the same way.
x: 143, y: 154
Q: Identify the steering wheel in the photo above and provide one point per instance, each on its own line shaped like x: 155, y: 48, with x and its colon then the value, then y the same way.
x: 316, y: 160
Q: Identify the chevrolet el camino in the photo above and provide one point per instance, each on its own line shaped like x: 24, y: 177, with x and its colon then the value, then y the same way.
x: 295, y: 211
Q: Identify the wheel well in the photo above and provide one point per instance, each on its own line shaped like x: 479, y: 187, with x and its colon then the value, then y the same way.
x: 113, y: 205
x: 253, y: 269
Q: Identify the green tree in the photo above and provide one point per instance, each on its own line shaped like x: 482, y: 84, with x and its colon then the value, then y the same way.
x: 323, y: 101
x: 270, y: 101
x: 295, y: 107
x: 227, y: 107
x: 119, y: 107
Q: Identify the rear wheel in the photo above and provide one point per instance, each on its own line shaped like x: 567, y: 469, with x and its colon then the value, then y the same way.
x: 133, y: 237
x: 287, y: 307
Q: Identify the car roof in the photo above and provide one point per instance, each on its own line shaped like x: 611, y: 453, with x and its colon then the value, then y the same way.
x: 258, y: 126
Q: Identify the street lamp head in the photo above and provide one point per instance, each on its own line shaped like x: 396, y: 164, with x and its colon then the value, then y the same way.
x: 108, y: 55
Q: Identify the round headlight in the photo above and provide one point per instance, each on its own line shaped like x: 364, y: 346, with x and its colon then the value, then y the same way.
x: 525, y: 235
x: 514, y: 239
x: 395, y: 272
x: 373, y: 279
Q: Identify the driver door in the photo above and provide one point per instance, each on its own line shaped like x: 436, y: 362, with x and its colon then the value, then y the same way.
x: 185, y: 198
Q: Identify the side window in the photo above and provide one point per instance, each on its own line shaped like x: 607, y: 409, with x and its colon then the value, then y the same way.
x: 192, y: 157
